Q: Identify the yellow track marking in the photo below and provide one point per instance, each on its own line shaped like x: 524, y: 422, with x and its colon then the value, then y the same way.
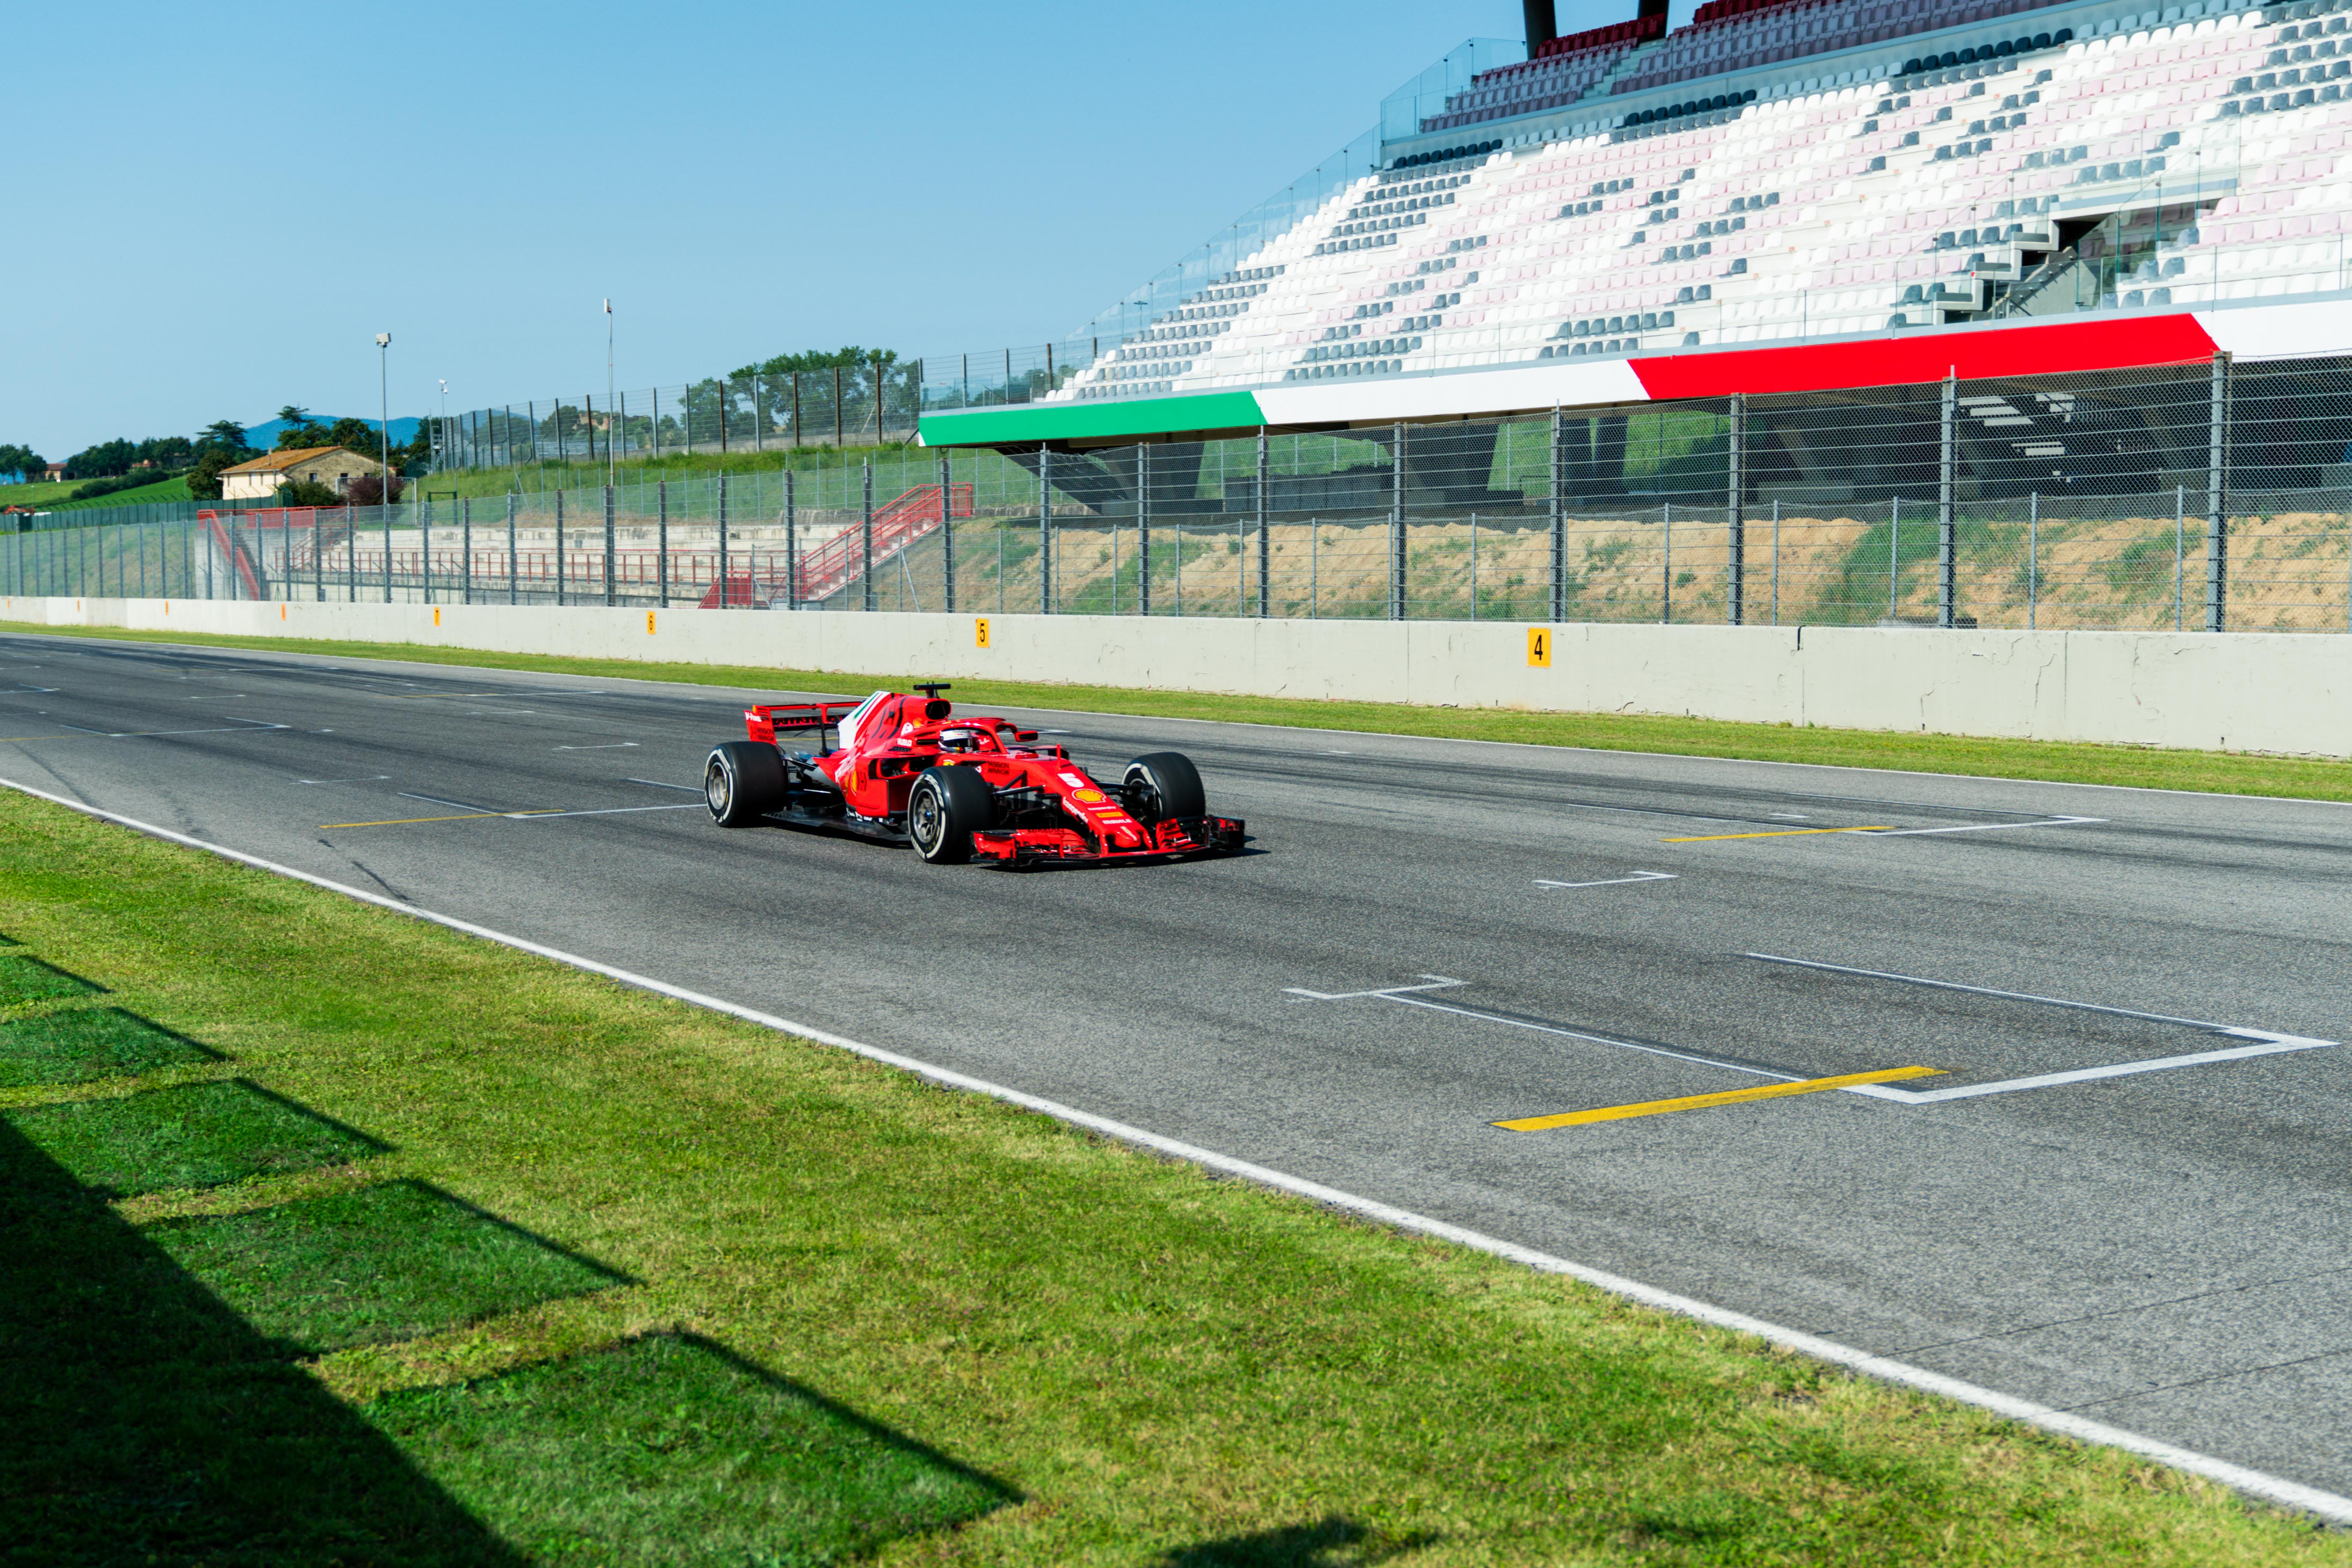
x: 1701, y: 1101
x: 1778, y: 833
x: 461, y: 816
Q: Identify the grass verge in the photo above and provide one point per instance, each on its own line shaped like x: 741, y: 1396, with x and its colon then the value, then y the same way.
x: 1161, y: 1368
x: 2146, y: 768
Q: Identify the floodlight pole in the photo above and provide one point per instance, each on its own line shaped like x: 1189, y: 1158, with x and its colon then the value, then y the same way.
x: 383, y: 426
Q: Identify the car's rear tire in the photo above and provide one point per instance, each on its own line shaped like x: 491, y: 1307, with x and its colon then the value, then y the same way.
x: 943, y: 809
x: 742, y: 782
x: 1164, y: 784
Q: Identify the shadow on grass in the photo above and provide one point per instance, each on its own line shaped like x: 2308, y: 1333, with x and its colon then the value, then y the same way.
x: 672, y: 1439
x: 192, y: 1135
x: 140, y: 1418
x: 24, y: 978
x: 89, y: 1043
x: 1337, y: 1542
x: 373, y: 1265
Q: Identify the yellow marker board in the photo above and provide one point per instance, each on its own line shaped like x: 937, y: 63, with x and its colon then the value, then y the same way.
x: 980, y: 632
x: 1539, y: 647
x: 649, y: 622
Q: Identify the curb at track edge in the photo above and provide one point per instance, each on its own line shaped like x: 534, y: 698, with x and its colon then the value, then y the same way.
x: 2327, y: 1505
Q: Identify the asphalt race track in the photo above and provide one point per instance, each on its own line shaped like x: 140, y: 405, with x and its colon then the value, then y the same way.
x: 1432, y: 937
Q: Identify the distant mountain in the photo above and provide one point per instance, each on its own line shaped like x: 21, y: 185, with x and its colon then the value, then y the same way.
x: 262, y: 438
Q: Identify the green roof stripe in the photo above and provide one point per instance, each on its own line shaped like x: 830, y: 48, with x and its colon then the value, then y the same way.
x: 1092, y: 421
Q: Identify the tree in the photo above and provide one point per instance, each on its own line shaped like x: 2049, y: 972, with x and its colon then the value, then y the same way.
x: 204, y: 478
x: 308, y: 493
x: 14, y: 459
x: 226, y: 433
x: 102, y: 461
x: 293, y: 413
x: 367, y: 490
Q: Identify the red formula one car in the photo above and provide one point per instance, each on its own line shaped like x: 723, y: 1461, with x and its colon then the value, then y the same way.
x: 905, y: 770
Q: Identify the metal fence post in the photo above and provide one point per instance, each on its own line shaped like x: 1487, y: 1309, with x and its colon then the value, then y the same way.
x: 722, y: 542
x: 1666, y: 574
x: 1143, y: 531
x: 559, y: 548
x: 351, y: 559
x: 1736, y: 515
x: 2216, y: 475
x: 1776, y: 560
x: 1893, y: 556
x: 947, y: 530
x: 2034, y: 564
x: 2179, y: 550
x: 424, y: 555
x: 1396, y: 526
x: 866, y: 548
x: 661, y: 536
x: 1558, y: 517
x: 1044, y: 530
x: 465, y: 550
x: 612, y: 588
x: 384, y: 511
x: 792, y: 543
x: 1947, y: 535
x: 514, y: 570
x: 1264, y: 528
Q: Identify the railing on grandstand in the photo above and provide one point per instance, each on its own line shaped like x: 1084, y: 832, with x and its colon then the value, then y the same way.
x: 2087, y: 502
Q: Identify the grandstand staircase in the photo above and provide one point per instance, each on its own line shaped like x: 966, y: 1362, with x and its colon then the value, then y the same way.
x: 835, y: 566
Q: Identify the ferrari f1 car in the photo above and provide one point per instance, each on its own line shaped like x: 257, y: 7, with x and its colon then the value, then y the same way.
x: 904, y: 768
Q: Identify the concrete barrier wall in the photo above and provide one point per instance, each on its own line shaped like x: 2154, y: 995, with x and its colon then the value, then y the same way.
x: 2250, y: 691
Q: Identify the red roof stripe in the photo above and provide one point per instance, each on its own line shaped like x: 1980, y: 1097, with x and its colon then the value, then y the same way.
x: 1906, y: 360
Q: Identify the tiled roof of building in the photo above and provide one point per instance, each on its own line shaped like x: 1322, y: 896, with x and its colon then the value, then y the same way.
x: 279, y: 461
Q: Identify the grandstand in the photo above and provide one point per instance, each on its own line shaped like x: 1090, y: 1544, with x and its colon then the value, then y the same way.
x: 1878, y: 185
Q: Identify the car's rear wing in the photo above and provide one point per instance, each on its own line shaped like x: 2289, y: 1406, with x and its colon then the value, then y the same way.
x: 767, y: 721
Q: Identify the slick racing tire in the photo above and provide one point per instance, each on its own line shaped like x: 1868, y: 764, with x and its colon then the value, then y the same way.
x: 944, y: 807
x: 1164, y: 784
x: 743, y: 782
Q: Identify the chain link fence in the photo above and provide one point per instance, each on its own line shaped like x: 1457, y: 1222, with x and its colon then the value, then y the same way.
x: 2199, y: 497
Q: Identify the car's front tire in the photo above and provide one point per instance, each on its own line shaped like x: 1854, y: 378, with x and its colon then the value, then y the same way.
x: 1164, y: 784
x: 943, y: 809
x: 742, y: 782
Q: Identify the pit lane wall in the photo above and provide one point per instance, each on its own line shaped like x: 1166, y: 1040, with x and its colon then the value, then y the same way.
x: 2236, y: 690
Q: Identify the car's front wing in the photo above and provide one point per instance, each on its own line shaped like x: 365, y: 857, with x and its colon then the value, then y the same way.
x: 1175, y: 836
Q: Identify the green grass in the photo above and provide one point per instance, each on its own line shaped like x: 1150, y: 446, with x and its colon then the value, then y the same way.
x: 615, y: 1455
x: 41, y: 494
x: 370, y: 1266
x: 26, y: 979
x: 578, y: 473
x: 2225, y: 772
x: 188, y: 1135
x: 175, y: 490
x: 89, y: 1043
x: 1165, y: 1368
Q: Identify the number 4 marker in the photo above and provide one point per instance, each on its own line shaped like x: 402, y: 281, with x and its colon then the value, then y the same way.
x: 1539, y: 647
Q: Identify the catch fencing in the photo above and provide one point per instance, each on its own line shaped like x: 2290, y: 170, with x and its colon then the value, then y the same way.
x: 2207, y: 496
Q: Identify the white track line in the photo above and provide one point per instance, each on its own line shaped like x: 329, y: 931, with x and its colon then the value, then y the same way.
x: 2085, y: 1074
x: 2326, y: 1505
x: 1614, y: 880
x: 1984, y: 827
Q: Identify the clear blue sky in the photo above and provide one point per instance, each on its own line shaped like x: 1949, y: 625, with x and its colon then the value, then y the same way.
x: 219, y: 206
